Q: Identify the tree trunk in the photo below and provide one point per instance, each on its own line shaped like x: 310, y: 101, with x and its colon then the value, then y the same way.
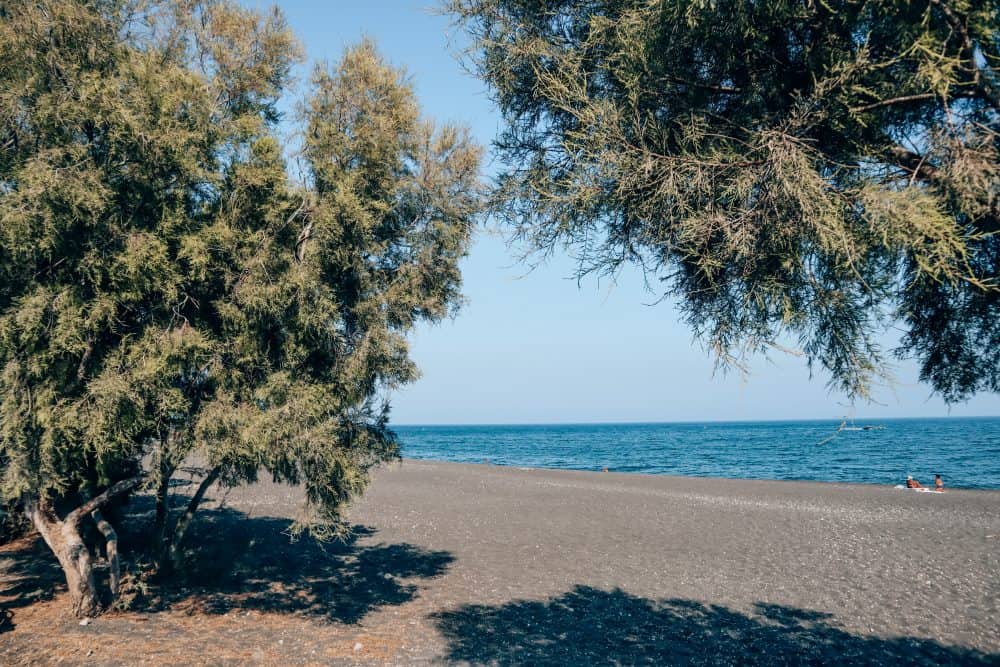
x: 162, y: 511
x: 173, y: 551
x: 111, y: 542
x: 66, y: 543
x: 63, y: 537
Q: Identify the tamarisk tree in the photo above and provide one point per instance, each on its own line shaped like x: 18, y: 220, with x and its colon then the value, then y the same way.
x: 815, y: 169
x: 169, y: 295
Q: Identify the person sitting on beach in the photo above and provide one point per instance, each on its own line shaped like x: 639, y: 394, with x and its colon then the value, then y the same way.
x: 938, y: 483
x: 912, y: 483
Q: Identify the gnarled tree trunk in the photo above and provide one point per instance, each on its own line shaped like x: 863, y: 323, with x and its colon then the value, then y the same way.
x: 63, y: 537
x: 67, y: 544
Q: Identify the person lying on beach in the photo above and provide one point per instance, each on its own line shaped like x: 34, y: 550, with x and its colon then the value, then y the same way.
x: 912, y: 483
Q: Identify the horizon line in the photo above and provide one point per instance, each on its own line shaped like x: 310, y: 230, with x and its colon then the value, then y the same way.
x: 692, y: 421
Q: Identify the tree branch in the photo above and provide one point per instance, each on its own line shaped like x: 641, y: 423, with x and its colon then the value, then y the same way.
x: 920, y: 169
x: 915, y: 164
x: 731, y: 90
x: 111, y: 540
x: 919, y: 97
x: 97, y: 502
x: 185, y: 519
x: 985, y: 79
x: 263, y: 241
x: 300, y: 243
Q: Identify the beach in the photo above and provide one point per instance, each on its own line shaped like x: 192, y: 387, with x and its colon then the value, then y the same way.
x: 484, y: 564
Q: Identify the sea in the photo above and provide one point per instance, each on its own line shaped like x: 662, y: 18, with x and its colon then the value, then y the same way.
x: 965, y: 451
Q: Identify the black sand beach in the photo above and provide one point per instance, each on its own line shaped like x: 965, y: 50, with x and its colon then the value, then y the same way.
x: 490, y: 565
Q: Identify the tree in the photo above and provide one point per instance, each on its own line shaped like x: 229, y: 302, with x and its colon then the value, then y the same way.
x: 793, y: 167
x: 169, y: 296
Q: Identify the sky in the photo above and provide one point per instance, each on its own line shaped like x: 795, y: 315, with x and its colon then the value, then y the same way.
x: 534, y: 346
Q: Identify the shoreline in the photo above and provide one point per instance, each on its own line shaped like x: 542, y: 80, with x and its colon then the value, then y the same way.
x: 965, y: 452
x: 871, y: 485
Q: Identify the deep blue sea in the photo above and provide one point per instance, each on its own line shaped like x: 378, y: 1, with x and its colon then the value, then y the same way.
x: 966, y: 451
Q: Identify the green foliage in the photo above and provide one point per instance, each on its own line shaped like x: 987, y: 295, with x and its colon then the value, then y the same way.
x: 13, y: 523
x: 819, y: 169
x: 167, y: 293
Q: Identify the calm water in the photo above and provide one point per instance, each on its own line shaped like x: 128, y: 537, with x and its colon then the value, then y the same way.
x: 965, y: 451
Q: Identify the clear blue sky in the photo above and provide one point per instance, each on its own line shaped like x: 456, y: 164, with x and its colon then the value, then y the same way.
x: 537, y: 347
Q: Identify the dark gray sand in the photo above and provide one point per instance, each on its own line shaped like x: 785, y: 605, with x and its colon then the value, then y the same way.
x: 498, y: 565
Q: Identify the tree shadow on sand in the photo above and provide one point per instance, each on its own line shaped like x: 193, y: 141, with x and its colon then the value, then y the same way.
x: 591, y: 626
x: 29, y: 573
x: 247, y: 563
x: 234, y: 562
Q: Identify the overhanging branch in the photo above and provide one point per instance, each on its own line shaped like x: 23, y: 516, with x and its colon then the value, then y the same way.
x: 97, y: 502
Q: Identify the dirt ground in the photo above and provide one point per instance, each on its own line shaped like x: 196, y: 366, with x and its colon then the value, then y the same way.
x: 461, y: 564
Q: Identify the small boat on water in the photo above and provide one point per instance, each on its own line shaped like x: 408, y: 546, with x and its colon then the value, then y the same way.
x: 845, y: 426
x: 848, y: 425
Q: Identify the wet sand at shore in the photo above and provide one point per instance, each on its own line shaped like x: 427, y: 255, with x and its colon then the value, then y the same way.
x: 499, y: 565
